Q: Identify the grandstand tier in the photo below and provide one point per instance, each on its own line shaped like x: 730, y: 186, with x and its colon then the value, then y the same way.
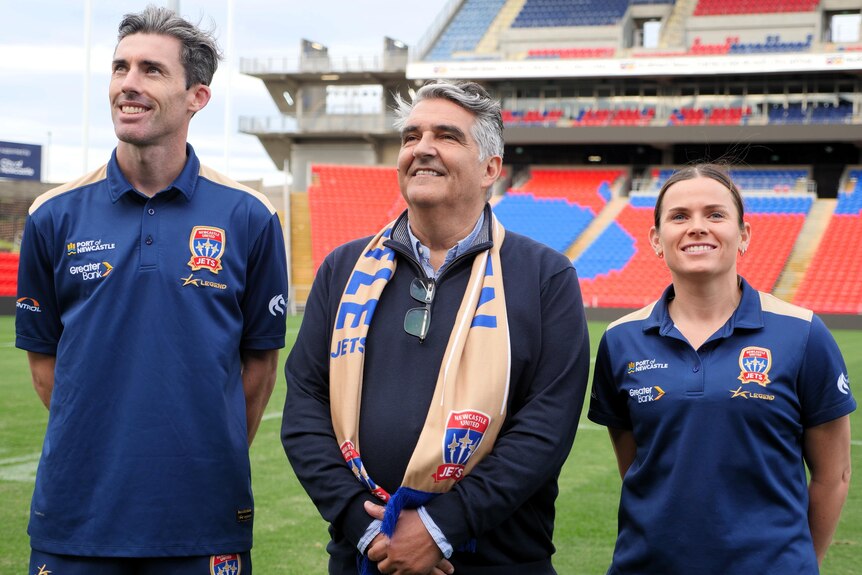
x: 634, y: 87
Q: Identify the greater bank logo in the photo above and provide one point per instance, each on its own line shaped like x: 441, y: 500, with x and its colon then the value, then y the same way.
x: 28, y: 304
x: 87, y: 246
x: 646, y: 394
x: 92, y: 271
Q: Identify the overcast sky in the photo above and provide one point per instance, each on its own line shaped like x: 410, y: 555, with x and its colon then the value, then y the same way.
x: 42, y: 68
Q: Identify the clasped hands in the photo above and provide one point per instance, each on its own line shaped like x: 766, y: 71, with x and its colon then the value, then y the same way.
x: 410, y: 551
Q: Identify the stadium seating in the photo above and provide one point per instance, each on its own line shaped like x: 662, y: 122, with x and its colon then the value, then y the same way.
x: 752, y: 179
x: 619, y: 269
x: 552, y: 13
x: 563, y: 53
x: 726, y: 7
x: 8, y: 273
x: 588, y: 188
x: 776, y: 221
x: 466, y: 28
x: 616, y: 117
x: 773, y: 43
x: 348, y: 202
x: 814, y: 113
x: 714, y: 116
x: 547, y: 117
x: 555, y: 222
x: 556, y: 204
x: 833, y: 282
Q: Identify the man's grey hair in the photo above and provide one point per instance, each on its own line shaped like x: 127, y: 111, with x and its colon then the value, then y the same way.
x: 488, y: 127
x: 199, y: 53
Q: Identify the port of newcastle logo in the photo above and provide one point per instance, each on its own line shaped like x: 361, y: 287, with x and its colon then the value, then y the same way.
x: 755, y: 363
x: 207, y: 245
x: 464, y: 432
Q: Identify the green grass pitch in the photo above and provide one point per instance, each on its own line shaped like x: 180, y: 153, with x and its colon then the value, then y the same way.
x: 290, y: 537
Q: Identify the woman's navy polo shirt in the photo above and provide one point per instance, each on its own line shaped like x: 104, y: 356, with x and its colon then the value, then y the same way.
x: 718, y: 484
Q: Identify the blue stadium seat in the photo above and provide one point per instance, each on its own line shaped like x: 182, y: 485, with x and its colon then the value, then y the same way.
x: 554, y: 13
x: 466, y: 29
x: 850, y: 202
x: 611, y: 251
x: 554, y: 222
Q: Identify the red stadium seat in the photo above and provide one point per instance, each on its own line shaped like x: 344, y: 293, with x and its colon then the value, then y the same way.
x: 578, y: 186
x: 348, y: 202
x: 8, y: 273
x: 725, y: 7
x: 833, y: 282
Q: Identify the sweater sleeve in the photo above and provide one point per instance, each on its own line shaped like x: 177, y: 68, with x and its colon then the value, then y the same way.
x: 306, y: 430
x: 537, y: 436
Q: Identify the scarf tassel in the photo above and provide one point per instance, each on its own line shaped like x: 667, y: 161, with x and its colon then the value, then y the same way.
x: 404, y: 498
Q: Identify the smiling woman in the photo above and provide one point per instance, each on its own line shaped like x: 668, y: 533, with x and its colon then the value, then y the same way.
x: 745, y: 376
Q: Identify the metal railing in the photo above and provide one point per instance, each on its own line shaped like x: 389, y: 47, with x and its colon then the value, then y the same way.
x: 334, y: 65
x: 330, y: 123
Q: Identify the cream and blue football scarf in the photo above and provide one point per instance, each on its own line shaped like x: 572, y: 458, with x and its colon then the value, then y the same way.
x: 469, y: 402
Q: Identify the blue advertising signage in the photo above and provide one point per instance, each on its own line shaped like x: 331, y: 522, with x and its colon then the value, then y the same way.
x: 20, y: 161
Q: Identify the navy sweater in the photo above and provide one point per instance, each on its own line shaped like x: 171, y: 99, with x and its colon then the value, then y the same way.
x: 507, y: 503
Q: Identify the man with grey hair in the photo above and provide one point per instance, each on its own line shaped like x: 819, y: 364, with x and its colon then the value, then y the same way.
x: 155, y: 310
x: 457, y: 352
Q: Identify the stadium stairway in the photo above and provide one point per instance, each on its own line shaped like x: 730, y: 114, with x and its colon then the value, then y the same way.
x: 804, y: 249
x: 597, y: 226
x: 673, y: 33
x: 490, y: 41
x: 301, y: 262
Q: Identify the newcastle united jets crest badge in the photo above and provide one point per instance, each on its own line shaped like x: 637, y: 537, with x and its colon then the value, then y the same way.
x: 207, y: 245
x: 464, y: 432
x: 755, y: 363
x: 230, y: 564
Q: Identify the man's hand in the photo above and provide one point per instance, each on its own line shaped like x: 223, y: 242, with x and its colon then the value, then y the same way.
x: 410, y: 551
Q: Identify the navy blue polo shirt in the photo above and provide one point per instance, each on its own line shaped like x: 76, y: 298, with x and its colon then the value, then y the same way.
x: 146, y: 303
x: 718, y: 484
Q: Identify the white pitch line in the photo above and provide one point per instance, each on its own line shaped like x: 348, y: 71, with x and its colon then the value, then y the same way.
x: 20, y: 459
x: 21, y: 468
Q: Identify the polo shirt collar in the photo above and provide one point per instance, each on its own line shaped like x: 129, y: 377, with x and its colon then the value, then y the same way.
x: 185, y: 183
x: 748, y: 314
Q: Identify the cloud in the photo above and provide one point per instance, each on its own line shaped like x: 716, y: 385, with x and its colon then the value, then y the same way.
x: 42, y: 67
